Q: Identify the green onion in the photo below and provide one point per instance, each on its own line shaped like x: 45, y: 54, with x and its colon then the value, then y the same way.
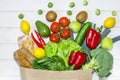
x: 97, y: 12
x: 85, y: 2
x: 69, y: 12
x: 72, y: 4
x: 40, y: 12
x: 114, y: 13
x: 20, y: 16
x: 50, y: 4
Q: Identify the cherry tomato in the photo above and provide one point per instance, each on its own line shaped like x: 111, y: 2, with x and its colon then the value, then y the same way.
x: 54, y: 37
x: 64, y: 21
x: 64, y: 33
x: 55, y: 27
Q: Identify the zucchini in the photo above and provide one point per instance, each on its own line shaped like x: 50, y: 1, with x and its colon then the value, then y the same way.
x: 82, y: 33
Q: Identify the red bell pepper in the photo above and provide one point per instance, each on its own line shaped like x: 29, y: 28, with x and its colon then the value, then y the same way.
x: 92, y: 38
x: 41, y: 43
x: 76, y: 59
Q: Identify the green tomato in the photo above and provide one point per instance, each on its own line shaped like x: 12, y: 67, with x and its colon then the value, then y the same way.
x: 74, y: 26
x: 107, y: 43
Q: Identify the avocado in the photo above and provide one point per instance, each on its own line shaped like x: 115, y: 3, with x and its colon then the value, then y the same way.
x: 42, y: 28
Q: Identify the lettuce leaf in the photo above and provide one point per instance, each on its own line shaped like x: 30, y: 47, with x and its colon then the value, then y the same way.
x: 62, y: 49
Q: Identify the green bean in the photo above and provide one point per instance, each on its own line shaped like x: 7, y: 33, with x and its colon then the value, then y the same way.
x: 21, y: 16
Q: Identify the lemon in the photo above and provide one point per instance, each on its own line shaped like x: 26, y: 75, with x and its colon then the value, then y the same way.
x: 25, y: 27
x: 109, y: 22
x: 39, y: 52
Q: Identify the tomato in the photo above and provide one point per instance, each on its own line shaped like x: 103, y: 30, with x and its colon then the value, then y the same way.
x: 55, y: 27
x: 54, y: 37
x: 64, y: 21
x: 65, y: 33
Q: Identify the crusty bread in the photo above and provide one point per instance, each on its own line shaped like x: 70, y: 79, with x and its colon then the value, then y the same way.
x: 26, y: 41
x: 23, y: 57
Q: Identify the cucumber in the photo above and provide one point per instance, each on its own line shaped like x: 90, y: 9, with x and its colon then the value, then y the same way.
x: 42, y: 28
x: 82, y: 33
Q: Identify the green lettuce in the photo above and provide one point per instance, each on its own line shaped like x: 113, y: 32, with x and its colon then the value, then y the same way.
x: 62, y: 49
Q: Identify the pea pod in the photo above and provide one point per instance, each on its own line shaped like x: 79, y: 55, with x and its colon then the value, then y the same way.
x: 81, y: 34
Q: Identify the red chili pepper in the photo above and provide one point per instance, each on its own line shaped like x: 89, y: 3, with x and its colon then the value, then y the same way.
x: 37, y: 43
x: 77, y: 59
x: 92, y: 38
x: 41, y: 43
x: 40, y: 38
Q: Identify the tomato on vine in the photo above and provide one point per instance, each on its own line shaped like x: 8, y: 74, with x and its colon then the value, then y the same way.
x: 64, y: 33
x: 55, y: 27
x: 54, y: 37
x: 64, y: 21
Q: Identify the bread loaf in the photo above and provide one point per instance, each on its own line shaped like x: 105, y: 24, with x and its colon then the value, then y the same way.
x: 24, y: 57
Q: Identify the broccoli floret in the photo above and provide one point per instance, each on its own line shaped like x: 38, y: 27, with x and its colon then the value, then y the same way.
x: 101, y: 62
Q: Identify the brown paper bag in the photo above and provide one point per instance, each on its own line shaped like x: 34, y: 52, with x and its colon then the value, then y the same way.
x: 35, y: 74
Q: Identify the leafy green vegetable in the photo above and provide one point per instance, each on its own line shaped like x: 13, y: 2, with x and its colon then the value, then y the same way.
x: 101, y: 62
x: 49, y: 63
x: 62, y: 49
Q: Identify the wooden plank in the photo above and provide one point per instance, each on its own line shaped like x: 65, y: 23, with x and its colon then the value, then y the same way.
x: 10, y: 19
x: 10, y: 77
x: 7, y: 50
x: 10, y: 35
x: 31, y: 5
x: 9, y: 67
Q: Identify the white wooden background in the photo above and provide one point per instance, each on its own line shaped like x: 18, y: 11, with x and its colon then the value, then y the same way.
x: 9, y: 27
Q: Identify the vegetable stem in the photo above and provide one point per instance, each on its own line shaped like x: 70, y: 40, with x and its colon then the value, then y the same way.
x: 115, y: 39
x: 105, y: 33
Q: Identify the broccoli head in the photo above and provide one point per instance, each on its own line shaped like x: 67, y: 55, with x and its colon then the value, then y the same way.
x: 101, y: 62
